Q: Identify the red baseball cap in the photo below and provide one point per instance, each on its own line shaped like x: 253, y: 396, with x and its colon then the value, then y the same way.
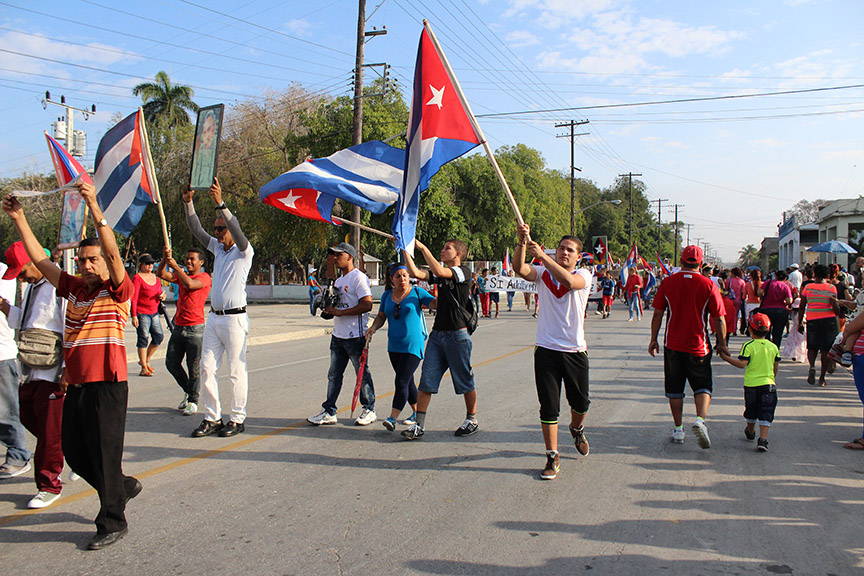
x: 760, y: 322
x: 692, y: 255
x: 16, y: 258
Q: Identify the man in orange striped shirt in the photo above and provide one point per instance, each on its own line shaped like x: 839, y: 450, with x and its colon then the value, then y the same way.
x: 94, y: 411
x: 819, y: 303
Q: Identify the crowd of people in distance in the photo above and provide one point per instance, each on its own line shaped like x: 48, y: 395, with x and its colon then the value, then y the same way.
x: 63, y: 369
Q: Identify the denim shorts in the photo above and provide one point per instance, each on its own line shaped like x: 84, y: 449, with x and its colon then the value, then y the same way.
x: 681, y: 367
x: 760, y: 403
x: 447, y: 349
x: 149, y: 325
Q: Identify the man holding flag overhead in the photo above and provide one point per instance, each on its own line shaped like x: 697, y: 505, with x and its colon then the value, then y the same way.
x: 94, y: 411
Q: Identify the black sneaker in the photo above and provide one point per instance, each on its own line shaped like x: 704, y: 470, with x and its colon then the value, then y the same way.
x: 811, y: 377
x: 762, y: 445
x: 467, y: 428
x: 749, y: 434
x: 414, y: 432
x: 550, y: 472
x: 206, y: 428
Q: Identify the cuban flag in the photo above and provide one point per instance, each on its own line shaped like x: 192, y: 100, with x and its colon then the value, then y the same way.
x: 66, y: 167
x: 368, y: 175
x: 440, y: 129
x: 123, y: 186
x: 662, y: 267
x: 632, y: 260
x: 505, y: 265
x: 650, y: 283
x: 303, y: 202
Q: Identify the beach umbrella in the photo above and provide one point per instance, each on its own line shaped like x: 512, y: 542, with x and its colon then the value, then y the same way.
x: 833, y: 247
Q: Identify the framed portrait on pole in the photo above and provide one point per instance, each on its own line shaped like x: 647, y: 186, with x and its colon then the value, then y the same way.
x: 205, y: 150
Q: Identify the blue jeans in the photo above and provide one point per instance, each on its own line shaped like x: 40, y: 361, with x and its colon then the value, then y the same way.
x: 186, y: 341
x: 633, y: 305
x: 447, y: 349
x: 858, y: 374
x: 11, y: 431
x: 342, y: 350
x: 149, y: 324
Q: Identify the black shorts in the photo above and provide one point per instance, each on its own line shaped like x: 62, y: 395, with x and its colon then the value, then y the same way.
x: 759, y: 404
x: 821, y: 334
x: 679, y: 367
x: 494, y: 296
x: 551, y: 368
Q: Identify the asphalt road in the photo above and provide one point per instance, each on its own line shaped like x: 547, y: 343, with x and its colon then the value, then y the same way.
x: 289, y: 498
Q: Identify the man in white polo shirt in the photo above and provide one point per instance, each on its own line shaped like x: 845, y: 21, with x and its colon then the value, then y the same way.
x: 795, y: 278
x: 227, y: 325
x: 561, y: 354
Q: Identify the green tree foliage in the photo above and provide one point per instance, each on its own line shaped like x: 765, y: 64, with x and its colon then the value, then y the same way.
x: 749, y: 256
x: 43, y: 212
x: 166, y: 103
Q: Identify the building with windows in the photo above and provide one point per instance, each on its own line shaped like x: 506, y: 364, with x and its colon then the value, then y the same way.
x: 794, y: 239
x: 842, y: 220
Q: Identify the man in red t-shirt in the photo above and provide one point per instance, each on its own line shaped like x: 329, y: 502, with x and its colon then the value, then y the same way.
x: 94, y: 411
x: 187, y: 338
x: 690, y: 298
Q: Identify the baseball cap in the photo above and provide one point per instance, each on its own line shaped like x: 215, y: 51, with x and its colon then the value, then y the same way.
x: 795, y: 265
x: 692, y: 255
x: 344, y: 247
x: 16, y: 258
x: 146, y: 259
x: 760, y: 322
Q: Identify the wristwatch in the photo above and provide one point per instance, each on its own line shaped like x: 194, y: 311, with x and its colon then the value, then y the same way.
x: 221, y: 206
x: 102, y: 222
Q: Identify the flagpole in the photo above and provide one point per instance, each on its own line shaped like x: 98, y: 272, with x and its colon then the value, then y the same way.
x: 362, y: 227
x: 474, y: 123
x: 151, y: 175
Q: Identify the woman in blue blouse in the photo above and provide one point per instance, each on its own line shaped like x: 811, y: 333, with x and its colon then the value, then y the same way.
x: 402, y: 308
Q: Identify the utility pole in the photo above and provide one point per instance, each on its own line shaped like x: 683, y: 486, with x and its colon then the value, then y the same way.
x: 572, y: 136
x: 630, y: 227
x: 357, y: 126
x: 688, y: 234
x: 659, y: 202
x: 675, y: 259
x: 69, y: 119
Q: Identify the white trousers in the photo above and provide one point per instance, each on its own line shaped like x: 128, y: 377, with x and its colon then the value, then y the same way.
x: 225, y: 336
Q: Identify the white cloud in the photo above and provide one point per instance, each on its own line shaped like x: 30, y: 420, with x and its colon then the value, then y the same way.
x: 299, y: 27
x: 94, y: 54
x: 521, y: 38
x: 768, y: 143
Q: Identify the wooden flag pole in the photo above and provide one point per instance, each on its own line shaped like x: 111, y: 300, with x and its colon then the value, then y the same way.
x: 151, y: 175
x: 474, y: 123
x: 362, y: 227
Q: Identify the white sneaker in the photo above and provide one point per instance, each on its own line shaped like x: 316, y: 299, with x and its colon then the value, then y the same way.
x: 678, y: 435
x: 701, y: 431
x: 73, y: 477
x: 182, y: 405
x: 42, y: 500
x: 190, y: 409
x: 322, y: 417
x: 366, y: 417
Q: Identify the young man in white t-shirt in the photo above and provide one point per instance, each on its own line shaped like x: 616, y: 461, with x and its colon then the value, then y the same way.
x: 561, y: 354
x: 350, y: 317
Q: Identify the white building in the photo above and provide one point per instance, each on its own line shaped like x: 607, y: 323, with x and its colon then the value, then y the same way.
x: 842, y: 220
x: 794, y: 241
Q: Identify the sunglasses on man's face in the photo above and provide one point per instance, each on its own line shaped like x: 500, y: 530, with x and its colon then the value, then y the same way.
x: 220, y: 228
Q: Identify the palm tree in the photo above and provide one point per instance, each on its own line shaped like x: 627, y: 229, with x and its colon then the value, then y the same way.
x: 748, y: 256
x: 165, y: 102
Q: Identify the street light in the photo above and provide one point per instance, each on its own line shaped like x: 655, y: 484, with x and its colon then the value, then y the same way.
x: 597, y: 204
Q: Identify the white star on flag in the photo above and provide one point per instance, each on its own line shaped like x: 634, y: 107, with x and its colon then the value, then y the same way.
x: 437, y: 96
x: 599, y: 249
x: 289, y: 200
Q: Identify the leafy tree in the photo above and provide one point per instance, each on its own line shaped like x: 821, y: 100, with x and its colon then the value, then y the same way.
x: 165, y: 102
x: 806, y: 211
x: 748, y: 256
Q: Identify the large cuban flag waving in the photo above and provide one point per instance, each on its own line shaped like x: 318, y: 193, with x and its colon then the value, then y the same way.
x: 440, y: 129
x: 368, y: 175
x: 122, y: 178
x: 632, y: 260
x: 65, y: 165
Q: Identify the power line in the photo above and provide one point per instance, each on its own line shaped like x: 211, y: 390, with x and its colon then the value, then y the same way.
x: 678, y: 101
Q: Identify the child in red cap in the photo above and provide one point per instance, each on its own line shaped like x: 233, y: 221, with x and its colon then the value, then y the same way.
x: 759, y: 358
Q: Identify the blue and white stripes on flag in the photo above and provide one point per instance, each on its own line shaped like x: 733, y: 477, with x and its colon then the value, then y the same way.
x: 123, y: 187
x: 368, y: 175
x: 632, y: 260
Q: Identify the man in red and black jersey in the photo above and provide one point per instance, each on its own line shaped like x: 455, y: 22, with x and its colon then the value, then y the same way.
x: 689, y: 299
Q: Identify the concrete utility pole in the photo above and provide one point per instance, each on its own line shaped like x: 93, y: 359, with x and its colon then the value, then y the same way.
x: 69, y: 120
x: 572, y: 136
x: 630, y: 227
x: 659, y: 202
x: 357, y: 127
x: 675, y: 258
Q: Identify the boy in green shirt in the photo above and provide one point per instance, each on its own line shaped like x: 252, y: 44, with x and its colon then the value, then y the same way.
x: 759, y: 358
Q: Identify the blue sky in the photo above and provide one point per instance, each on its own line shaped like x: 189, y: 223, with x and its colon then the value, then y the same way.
x: 733, y: 164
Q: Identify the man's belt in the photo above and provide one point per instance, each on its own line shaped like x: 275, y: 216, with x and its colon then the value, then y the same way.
x: 241, y: 310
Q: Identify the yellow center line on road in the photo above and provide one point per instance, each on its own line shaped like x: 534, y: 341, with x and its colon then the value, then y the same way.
x: 9, y: 519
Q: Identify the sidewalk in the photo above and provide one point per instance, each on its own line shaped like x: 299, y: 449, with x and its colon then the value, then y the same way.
x: 268, y: 324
